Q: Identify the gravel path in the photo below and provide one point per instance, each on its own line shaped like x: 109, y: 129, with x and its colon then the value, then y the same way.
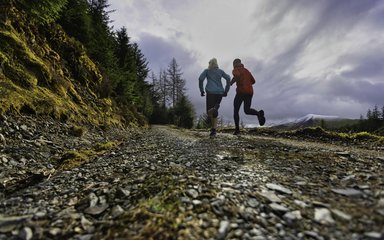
x: 167, y: 183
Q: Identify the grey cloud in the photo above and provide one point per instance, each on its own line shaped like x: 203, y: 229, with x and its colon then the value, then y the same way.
x: 175, y: 4
x: 332, y: 18
x: 160, y: 51
x: 370, y: 65
x: 362, y: 91
x: 378, y: 14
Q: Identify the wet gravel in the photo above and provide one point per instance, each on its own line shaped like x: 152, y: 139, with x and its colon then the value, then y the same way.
x: 167, y: 183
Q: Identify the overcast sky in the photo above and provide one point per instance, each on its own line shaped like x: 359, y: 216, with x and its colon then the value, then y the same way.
x: 308, y: 56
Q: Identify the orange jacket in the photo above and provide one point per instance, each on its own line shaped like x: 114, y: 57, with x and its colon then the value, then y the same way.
x: 244, y: 80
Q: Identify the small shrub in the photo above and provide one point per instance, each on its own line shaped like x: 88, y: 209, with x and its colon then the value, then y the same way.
x: 313, y: 132
x: 104, y: 146
x: 73, y: 159
x: 72, y: 155
x: 77, y: 131
x: 363, y: 136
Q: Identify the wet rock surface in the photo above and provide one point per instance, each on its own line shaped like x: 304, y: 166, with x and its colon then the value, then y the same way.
x: 166, y: 183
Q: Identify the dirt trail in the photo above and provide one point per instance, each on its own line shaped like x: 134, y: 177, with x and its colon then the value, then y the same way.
x: 335, y: 187
x: 167, y: 183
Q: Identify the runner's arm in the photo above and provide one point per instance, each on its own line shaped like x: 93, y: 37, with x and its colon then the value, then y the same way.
x: 202, y: 76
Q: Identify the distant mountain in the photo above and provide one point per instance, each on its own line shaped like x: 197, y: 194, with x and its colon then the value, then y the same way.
x: 308, y: 120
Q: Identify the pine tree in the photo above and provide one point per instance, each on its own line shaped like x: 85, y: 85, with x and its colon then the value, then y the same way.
x: 76, y: 20
x: 125, y: 84
x: 101, y: 46
x: 123, y: 49
x: 141, y: 87
x: 369, y: 114
x: 141, y: 63
x: 133, y: 64
x: 43, y: 11
x: 184, y: 113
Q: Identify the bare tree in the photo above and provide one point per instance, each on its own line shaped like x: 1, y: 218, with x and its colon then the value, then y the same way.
x: 376, y: 113
x: 161, y: 87
x: 176, y: 82
x: 382, y: 113
x: 164, y: 87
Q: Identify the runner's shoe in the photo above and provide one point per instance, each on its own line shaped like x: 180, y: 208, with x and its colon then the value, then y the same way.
x: 213, y: 133
x: 261, y: 117
x: 237, y: 132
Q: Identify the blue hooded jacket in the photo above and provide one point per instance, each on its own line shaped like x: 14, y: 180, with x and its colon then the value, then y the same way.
x: 214, y: 84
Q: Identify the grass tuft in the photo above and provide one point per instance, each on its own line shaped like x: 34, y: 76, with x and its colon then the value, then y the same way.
x: 104, y: 146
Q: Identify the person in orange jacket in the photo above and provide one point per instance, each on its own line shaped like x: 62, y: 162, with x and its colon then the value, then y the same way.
x: 244, y: 93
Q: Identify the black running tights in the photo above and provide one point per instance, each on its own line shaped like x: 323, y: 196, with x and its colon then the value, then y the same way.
x: 239, y: 99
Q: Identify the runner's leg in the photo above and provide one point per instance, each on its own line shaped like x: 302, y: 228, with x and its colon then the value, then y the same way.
x: 213, y: 104
x: 210, y: 101
x: 250, y: 111
x: 236, y: 107
x: 247, y: 105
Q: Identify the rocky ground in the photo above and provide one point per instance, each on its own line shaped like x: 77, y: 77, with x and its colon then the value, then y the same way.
x: 60, y: 182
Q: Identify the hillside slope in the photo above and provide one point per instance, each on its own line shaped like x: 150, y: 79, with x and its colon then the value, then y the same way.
x: 45, y: 72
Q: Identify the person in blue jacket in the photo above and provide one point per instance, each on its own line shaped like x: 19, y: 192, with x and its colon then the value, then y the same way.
x: 214, y: 89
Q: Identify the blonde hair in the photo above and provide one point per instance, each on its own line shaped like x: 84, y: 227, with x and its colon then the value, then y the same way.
x: 212, y: 63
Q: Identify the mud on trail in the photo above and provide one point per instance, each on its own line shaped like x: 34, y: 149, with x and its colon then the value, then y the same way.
x: 167, y: 183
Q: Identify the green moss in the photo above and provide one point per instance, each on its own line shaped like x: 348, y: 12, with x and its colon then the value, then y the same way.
x: 3, y: 59
x: 157, y: 211
x: 77, y: 131
x: 343, y: 135
x: 91, y: 67
x: 72, y: 155
x: 105, y: 146
x: 73, y: 159
x: 363, y: 136
x: 156, y: 205
x: 11, y: 99
x: 320, y: 134
x: 15, y: 71
x: 24, y: 64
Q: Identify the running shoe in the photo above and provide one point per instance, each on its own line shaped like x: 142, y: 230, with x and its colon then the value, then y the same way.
x: 261, y: 117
